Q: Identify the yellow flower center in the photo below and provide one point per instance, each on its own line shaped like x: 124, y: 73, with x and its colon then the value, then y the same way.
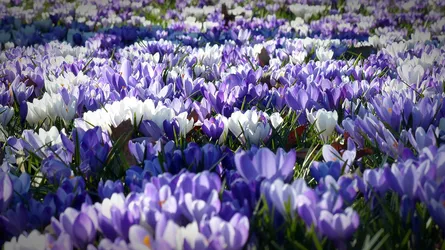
x: 147, y: 241
x: 390, y: 110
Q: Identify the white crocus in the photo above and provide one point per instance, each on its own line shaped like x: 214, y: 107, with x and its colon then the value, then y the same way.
x: 394, y: 85
x: 161, y: 114
x: 50, y: 137
x: 324, y: 54
x: 67, y: 81
x: 276, y: 120
x: 185, y: 125
x: 189, y: 234
x: 33, y: 241
x: 395, y: 49
x: 112, y: 115
x: 41, y: 110
x: 298, y: 57
x: 325, y: 122
x: 411, y: 73
x: 247, y: 126
x: 66, y: 111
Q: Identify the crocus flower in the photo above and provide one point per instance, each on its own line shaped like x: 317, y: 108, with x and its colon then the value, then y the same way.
x: 347, y: 157
x: 7, y: 190
x: 325, y: 122
x: 197, y: 210
x: 411, y: 73
x: 174, y: 236
x: 324, y: 54
x: 171, y: 129
x: 280, y: 196
x: 105, y: 190
x: 33, y: 240
x: 79, y: 225
x: 339, y: 226
x: 232, y: 234
x: 249, y: 126
x: 264, y: 163
x: 403, y: 179
x: 320, y: 169
x: 276, y: 120
x: 437, y: 211
x: 215, y: 128
x: 62, y: 242
x: 422, y: 139
x: 375, y: 180
x: 115, y: 217
x: 140, y: 238
x: 6, y: 114
x: 55, y: 170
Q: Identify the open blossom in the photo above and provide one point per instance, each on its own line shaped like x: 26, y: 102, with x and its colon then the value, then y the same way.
x: 325, y: 122
x: 250, y: 126
x: 276, y: 120
x: 112, y: 115
x: 324, y: 54
x: 51, y: 106
x: 411, y: 73
x: 264, y: 163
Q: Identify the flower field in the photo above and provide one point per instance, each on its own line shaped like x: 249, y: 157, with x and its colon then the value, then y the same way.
x: 198, y: 124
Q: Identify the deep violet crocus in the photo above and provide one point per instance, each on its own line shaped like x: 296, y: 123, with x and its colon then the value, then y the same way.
x: 214, y: 127
x: 108, y: 188
x: 264, y: 163
x: 319, y: 170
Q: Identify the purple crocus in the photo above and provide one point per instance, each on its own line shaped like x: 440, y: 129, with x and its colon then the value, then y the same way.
x: 6, y: 192
x: 171, y: 129
x: 320, y: 169
x: 422, y: 139
x: 54, y: 170
x: 78, y: 225
x: 338, y: 227
x: 232, y: 234
x: 403, y: 179
x: 150, y: 130
x: 62, y: 242
x: 94, y: 148
x: 197, y: 209
x: 213, y: 128
x: 105, y: 190
x: 264, y: 163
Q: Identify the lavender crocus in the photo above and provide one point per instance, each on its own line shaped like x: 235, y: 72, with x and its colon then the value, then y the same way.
x: 264, y: 163
x: 338, y: 227
x: 78, y: 225
x: 7, y: 190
